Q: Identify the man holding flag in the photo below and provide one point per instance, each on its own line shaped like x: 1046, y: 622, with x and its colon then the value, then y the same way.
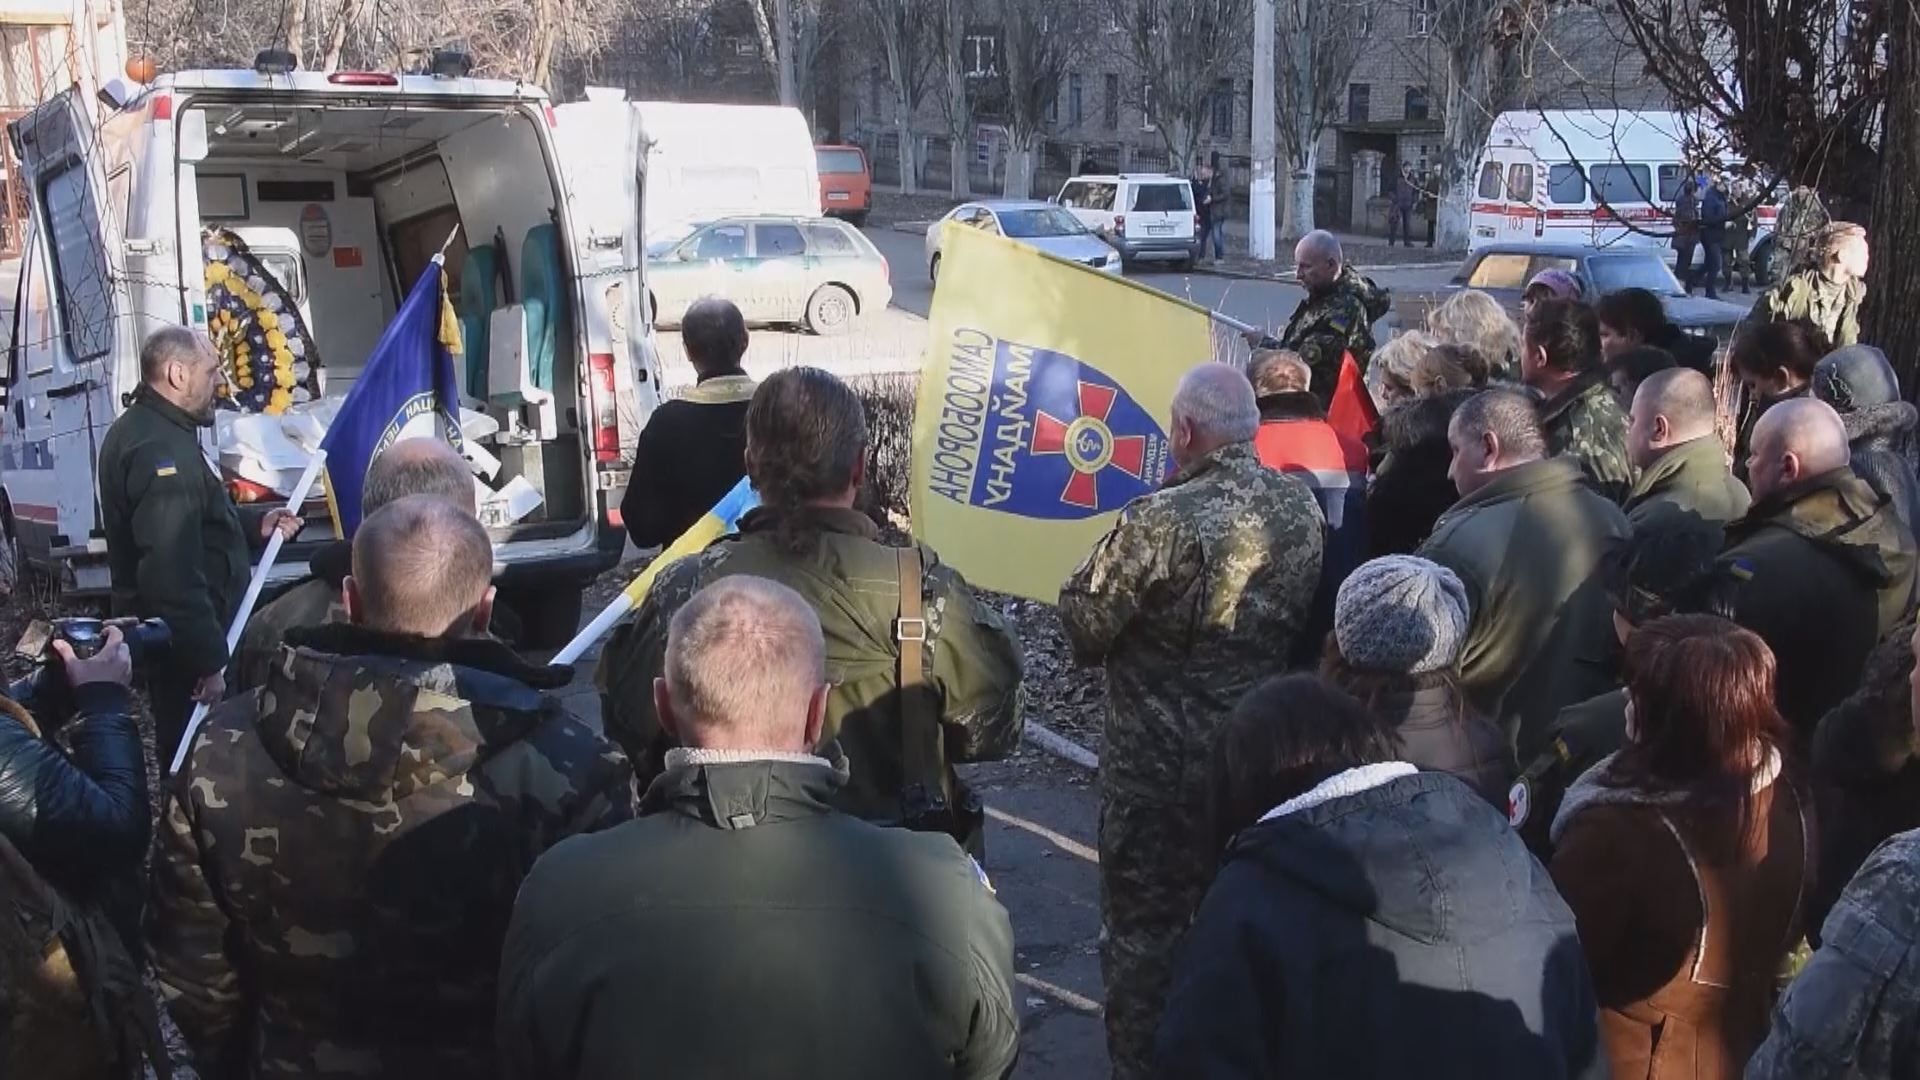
x: 924, y: 675
x: 177, y: 547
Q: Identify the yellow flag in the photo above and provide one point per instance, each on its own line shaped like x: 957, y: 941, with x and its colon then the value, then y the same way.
x: 1043, y: 408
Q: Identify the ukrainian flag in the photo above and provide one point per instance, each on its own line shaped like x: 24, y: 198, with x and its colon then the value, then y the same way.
x: 1043, y: 407
x: 407, y: 390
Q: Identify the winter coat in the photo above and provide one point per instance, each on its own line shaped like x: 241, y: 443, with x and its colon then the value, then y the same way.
x: 177, y: 548
x: 1854, y: 1011
x: 851, y: 579
x: 744, y: 928
x: 1440, y: 732
x: 313, y: 600
x: 1692, y: 478
x: 1685, y: 943
x: 340, y: 855
x: 1411, y: 488
x: 1581, y: 735
x: 1688, y: 350
x: 1295, y: 438
x: 1833, y: 306
x: 1821, y: 572
x: 1387, y: 924
x: 79, y: 816
x: 1862, y: 387
x: 1584, y: 421
x: 1713, y: 216
x: 1527, y: 546
x: 690, y: 454
x: 1752, y: 408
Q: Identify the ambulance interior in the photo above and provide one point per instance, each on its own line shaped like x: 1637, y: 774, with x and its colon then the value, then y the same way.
x: 346, y: 205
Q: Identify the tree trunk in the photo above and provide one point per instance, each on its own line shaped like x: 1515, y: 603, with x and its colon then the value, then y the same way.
x: 903, y: 125
x: 1891, y: 319
x: 1017, y: 179
x: 1180, y: 137
x: 297, y: 28
x: 1456, y: 207
x: 1298, y: 219
x: 337, y: 42
x: 959, y: 112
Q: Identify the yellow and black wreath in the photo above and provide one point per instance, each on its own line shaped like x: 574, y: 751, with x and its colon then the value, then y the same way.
x: 269, y: 356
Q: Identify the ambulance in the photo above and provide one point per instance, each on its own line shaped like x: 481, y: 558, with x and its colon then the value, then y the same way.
x: 1595, y: 178
x: 341, y: 186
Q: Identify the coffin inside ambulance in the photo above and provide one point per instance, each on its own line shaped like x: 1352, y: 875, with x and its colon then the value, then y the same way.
x: 289, y: 215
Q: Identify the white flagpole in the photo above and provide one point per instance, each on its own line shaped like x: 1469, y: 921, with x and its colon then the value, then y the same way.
x: 274, y: 542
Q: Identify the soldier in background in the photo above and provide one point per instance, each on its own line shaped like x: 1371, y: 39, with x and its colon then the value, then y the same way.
x: 1826, y: 292
x: 339, y: 859
x: 1560, y: 358
x: 1199, y: 592
x: 408, y: 467
x: 1336, y: 317
x: 924, y: 674
x: 1802, y: 216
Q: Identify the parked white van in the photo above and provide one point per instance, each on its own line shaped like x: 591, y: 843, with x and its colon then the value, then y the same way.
x: 707, y: 162
x: 1588, y: 177
x: 344, y: 185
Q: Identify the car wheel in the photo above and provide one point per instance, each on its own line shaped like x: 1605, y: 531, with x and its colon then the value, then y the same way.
x: 1184, y: 264
x: 830, y: 311
x: 933, y: 269
x: 858, y: 218
x: 1126, y: 265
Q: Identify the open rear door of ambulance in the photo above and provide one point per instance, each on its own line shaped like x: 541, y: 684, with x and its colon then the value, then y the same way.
x: 602, y: 154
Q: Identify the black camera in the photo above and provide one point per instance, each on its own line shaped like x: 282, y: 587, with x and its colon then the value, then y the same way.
x: 36, y: 677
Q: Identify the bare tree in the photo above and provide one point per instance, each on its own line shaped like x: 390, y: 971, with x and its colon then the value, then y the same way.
x: 1041, y: 41
x: 1320, y: 41
x: 909, y: 36
x: 956, y: 102
x: 812, y: 24
x: 1472, y: 51
x: 1182, y: 49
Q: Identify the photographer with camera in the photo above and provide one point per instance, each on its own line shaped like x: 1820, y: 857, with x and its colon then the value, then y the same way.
x: 73, y: 831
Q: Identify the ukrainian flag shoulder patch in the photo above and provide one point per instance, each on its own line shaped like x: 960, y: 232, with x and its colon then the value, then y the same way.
x: 165, y: 468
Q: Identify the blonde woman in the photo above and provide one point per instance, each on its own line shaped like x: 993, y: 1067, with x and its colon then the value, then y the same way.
x: 1390, y: 372
x: 1476, y: 320
x: 1827, y: 292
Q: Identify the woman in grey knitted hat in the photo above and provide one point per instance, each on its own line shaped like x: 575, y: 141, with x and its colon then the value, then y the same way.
x: 1398, y: 625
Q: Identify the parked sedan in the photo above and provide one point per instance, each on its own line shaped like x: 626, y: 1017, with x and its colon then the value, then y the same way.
x: 1502, y: 271
x: 817, y: 272
x: 1036, y: 224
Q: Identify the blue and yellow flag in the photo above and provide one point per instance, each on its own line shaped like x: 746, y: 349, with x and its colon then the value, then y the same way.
x: 407, y: 390
x: 1043, y: 401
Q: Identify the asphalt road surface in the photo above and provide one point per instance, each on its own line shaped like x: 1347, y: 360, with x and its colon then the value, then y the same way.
x: 893, y: 340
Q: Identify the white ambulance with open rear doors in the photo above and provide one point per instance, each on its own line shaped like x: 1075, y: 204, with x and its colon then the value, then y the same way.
x: 344, y: 185
x: 1592, y: 177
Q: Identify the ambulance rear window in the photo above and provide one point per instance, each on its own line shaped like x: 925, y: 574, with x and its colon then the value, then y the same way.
x: 1490, y: 180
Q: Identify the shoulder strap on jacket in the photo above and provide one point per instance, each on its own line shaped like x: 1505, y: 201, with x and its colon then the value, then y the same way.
x: 921, y: 760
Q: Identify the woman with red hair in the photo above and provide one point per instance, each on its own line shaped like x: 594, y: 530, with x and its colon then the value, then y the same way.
x: 1686, y: 855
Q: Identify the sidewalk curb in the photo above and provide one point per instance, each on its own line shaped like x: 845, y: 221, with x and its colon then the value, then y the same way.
x: 911, y: 228
x: 1060, y: 746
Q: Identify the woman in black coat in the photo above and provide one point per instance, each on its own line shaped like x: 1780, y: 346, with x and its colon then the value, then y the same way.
x: 1369, y: 920
x: 1410, y: 487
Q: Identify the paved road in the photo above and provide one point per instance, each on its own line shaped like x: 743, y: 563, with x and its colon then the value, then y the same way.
x: 893, y: 340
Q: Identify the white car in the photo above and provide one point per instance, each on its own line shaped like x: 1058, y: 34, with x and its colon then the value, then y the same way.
x: 1036, y: 224
x: 1143, y: 215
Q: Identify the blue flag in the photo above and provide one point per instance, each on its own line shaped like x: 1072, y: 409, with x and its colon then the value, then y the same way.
x: 408, y: 389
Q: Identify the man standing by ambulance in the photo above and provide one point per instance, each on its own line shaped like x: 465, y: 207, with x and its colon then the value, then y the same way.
x: 177, y: 547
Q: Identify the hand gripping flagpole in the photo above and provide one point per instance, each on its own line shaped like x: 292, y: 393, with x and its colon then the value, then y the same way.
x: 274, y: 542
x: 717, y: 522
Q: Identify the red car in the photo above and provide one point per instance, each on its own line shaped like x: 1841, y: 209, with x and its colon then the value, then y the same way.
x: 846, y: 182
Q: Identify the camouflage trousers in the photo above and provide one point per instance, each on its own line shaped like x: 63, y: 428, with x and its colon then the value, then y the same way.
x: 1153, y: 872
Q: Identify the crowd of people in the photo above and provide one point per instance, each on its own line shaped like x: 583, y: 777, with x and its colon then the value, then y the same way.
x: 1542, y: 734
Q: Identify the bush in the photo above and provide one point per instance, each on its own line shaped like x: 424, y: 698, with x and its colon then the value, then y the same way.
x: 889, y: 402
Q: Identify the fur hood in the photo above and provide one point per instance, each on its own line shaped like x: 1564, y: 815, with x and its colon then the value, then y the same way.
x: 1422, y: 421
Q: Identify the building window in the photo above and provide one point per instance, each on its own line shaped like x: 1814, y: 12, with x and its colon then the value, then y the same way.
x: 1146, y: 107
x: 1420, y: 17
x: 1416, y: 103
x: 1223, y: 109
x: 980, y: 54
x: 1075, y: 102
x: 1110, y: 102
x: 1359, y: 98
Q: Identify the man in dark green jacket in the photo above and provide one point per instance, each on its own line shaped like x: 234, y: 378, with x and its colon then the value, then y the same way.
x: 1821, y: 567
x: 1682, y: 463
x: 806, y: 449
x: 1526, y: 537
x: 742, y: 927
x: 1560, y: 358
x: 177, y: 548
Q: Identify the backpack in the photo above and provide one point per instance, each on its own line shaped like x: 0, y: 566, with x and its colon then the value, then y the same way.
x: 73, y: 1005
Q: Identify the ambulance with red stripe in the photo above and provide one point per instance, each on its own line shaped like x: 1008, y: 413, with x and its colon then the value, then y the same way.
x: 1600, y: 178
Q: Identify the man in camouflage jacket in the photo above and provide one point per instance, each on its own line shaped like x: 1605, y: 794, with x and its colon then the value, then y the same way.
x: 1854, y: 1010
x: 806, y: 438
x: 340, y: 855
x: 1560, y: 358
x: 1200, y: 591
x: 1336, y: 317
